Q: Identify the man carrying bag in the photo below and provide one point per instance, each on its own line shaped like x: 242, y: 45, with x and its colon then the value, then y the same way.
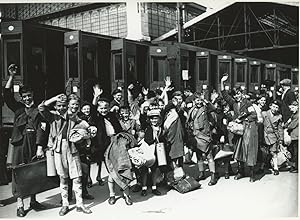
x: 23, y: 139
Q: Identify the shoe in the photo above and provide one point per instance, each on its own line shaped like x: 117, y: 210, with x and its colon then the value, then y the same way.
x: 213, y: 180
x: 293, y: 170
x: 156, y: 192
x: 136, y: 188
x: 201, y: 176
x: 64, y: 210
x: 100, y: 182
x: 128, y: 200
x: 276, y: 172
x: 21, y: 212
x: 90, y: 185
x: 226, y: 175
x: 37, y: 206
x: 83, y: 209
x: 87, y: 196
x: 238, y: 176
x: 144, y: 192
x: 112, y: 200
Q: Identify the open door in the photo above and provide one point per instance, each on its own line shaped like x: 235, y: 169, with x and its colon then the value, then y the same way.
x: 202, y: 76
x: 240, y: 73
x: 158, y: 66
x: 225, y: 66
x: 80, y: 62
x: 254, y: 76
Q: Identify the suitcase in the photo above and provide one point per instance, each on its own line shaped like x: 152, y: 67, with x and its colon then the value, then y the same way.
x: 32, y: 178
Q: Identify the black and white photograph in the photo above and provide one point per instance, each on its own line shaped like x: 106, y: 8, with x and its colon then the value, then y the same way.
x: 149, y: 110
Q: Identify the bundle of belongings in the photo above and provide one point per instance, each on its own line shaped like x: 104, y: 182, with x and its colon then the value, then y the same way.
x: 181, y: 182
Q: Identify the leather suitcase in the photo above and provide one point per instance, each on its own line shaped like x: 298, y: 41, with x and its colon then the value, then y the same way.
x: 32, y: 178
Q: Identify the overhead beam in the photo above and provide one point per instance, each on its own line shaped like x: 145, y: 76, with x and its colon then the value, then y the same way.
x: 266, y: 48
x: 235, y: 35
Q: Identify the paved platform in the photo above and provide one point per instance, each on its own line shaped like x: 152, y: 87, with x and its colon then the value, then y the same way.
x: 269, y: 197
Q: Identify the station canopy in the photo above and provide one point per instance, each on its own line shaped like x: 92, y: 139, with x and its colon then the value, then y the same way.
x: 261, y: 30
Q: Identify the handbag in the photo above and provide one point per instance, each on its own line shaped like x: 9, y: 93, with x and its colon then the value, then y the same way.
x: 32, y: 178
x: 186, y: 184
x: 236, y: 128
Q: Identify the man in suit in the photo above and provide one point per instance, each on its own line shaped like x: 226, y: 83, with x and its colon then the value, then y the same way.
x: 287, y: 97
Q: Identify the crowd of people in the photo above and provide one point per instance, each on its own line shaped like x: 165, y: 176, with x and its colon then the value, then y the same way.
x: 253, y: 126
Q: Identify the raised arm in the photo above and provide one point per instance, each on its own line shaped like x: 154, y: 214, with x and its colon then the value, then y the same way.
x: 97, y: 93
x: 164, y: 95
x: 44, y: 106
x: 224, y: 93
x: 8, y: 94
x: 129, y: 94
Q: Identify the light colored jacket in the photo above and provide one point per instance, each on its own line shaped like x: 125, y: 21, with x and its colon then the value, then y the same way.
x: 56, y: 128
x: 273, y: 130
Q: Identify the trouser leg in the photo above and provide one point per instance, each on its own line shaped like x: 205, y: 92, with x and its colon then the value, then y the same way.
x: 111, y: 186
x: 77, y: 187
x: 64, y: 190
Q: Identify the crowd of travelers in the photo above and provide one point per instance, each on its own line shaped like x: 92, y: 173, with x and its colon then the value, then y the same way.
x: 254, y: 129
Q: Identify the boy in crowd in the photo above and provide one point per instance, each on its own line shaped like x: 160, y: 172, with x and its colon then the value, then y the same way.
x: 273, y: 131
x: 24, y: 134
x: 66, y: 155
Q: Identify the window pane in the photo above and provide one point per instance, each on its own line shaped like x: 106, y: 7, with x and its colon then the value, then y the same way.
x: 118, y: 66
x: 240, y: 71
x: 158, y: 69
x: 13, y: 54
x: 295, y: 78
x: 224, y: 68
x: 202, y: 68
x: 73, y: 62
x: 284, y: 74
x: 270, y: 74
x: 254, y: 74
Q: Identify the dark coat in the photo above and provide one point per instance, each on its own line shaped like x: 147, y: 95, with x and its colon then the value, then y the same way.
x: 287, y: 99
x: 200, y: 128
x: 117, y: 159
x: 102, y: 139
x: 24, y: 119
x: 246, y: 146
x: 149, y: 138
